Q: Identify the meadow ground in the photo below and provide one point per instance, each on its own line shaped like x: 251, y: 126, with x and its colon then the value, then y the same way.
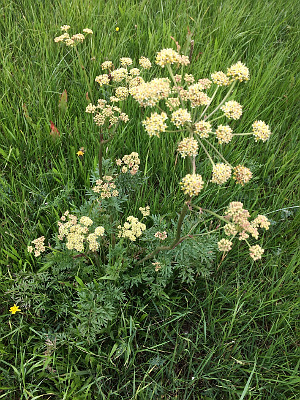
x: 233, y: 334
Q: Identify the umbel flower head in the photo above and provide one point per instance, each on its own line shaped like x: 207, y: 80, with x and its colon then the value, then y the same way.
x: 132, y: 229
x: 170, y: 56
x: 224, y: 134
x: 232, y: 109
x: 239, y: 72
x: 203, y: 128
x: 242, y: 174
x: 220, y: 79
x: 239, y: 224
x: 188, y: 147
x: 221, y: 173
x: 261, y: 131
x: 155, y: 124
x: 192, y: 184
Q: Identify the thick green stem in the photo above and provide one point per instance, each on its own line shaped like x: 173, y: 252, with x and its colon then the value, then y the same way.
x: 176, y: 240
x: 210, y: 212
x: 100, y: 155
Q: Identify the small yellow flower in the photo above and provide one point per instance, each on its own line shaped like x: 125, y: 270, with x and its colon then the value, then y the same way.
x: 14, y: 309
x: 80, y: 153
x: 117, y: 29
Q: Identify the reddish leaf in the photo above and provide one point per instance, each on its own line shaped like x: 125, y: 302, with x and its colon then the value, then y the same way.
x: 87, y: 97
x: 54, y: 131
x: 27, y: 116
x: 62, y: 104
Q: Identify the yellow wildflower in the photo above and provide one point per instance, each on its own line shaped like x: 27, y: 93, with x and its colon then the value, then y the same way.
x: 14, y: 309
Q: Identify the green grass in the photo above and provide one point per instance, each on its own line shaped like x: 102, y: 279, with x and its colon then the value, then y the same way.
x: 233, y: 335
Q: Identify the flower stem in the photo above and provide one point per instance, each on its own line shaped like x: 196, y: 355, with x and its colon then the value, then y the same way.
x: 177, y: 238
x: 223, y: 101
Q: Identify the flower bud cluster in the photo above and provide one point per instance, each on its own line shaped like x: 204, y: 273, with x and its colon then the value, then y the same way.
x: 125, y: 61
x: 105, y: 112
x: 242, y: 174
x: 170, y: 56
x: 107, y: 65
x: 145, y: 62
x: 196, y: 96
x: 238, y: 71
x: 130, y: 163
x: 161, y: 235
x: 38, y: 246
x: 220, y: 79
x: 105, y: 187
x: 132, y: 229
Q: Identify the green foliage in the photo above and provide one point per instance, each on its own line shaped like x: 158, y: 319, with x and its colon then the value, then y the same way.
x: 229, y: 334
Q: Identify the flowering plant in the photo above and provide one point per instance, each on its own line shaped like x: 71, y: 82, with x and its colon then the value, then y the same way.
x: 100, y: 242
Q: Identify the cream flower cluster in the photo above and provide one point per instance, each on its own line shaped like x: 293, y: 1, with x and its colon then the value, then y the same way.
x: 71, y: 41
x: 256, y: 252
x: 107, y: 65
x: 105, y: 112
x: 78, y: 233
x: 224, y: 134
x: 239, y: 72
x: 38, y: 246
x: 117, y: 75
x: 132, y: 229
x: 239, y: 224
x: 130, y: 163
x: 261, y: 131
x: 170, y: 56
x: 145, y: 62
x: 205, y: 83
x: 145, y: 211
x: 225, y: 245
x: 203, y: 128
x: 125, y: 61
x: 188, y: 147
x: 155, y: 124
x: 192, y: 184
x: 106, y: 187
x: 221, y: 173
x: 232, y: 109
x: 220, y: 79
x: 180, y: 117
x: 196, y: 96
x: 189, y: 78
x: 122, y: 92
x: 150, y: 93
